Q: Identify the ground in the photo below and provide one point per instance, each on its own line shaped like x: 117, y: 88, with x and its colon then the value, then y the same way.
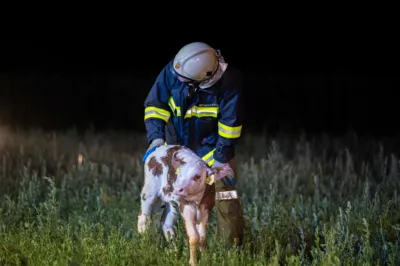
x: 72, y: 199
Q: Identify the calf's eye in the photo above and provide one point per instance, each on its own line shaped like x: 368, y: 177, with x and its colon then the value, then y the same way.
x: 197, y: 177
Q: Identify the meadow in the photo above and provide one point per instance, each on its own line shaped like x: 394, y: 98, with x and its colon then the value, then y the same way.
x: 72, y: 198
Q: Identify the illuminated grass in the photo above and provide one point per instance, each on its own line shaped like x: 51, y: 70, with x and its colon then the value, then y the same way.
x: 317, y: 202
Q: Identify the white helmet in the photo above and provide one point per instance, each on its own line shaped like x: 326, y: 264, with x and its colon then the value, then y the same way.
x: 196, y: 61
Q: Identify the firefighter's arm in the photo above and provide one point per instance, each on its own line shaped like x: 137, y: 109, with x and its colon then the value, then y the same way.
x: 156, y: 109
x: 230, y: 120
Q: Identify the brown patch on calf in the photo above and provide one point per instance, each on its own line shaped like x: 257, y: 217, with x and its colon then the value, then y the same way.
x: 156, y: 167
x: 167, y: 190
x: 172, y: 161
x: 208, y: 200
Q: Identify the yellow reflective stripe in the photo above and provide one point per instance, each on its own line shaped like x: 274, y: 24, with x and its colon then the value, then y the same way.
x: 173, y: 106
x: 154, y: 112
x: 209, y: 158
x: 229, y: 132
x: 198, y: 111
x: 195, y: 111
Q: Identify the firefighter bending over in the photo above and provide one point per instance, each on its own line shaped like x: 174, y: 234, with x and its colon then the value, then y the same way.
x: 196, y: 101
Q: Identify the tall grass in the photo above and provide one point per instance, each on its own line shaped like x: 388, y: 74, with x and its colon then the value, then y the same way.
x: 307, y: 201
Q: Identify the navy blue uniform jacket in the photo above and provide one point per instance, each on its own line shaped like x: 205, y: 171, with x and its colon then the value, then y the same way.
x: 208, y: 121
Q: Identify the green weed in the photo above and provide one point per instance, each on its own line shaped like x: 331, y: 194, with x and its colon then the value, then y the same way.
x: 307, y: 201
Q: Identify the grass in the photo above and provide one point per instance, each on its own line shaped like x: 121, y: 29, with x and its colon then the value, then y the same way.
x: 307, y: 201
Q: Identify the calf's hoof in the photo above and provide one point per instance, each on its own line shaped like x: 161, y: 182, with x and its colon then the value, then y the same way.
x: 192, y: 262
x: 169, y: 234
x: 203, y: 248
x: 143, y: 223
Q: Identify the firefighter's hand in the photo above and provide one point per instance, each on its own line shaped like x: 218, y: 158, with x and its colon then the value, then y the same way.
x: 229, y: 179
x: 154, y: 145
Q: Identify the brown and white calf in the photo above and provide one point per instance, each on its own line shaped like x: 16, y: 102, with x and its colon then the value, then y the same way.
x: 176, y: 174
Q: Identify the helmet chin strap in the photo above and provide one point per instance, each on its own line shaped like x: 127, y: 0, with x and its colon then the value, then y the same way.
x: 192, y: 89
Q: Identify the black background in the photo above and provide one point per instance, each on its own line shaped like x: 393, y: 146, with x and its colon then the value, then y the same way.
x: 320, y: 80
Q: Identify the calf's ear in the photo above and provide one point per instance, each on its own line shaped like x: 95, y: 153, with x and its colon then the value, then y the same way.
x: 176, y: 162
x: 218, y: 172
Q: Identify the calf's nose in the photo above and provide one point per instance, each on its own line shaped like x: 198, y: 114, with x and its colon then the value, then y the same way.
x: 178, y: 190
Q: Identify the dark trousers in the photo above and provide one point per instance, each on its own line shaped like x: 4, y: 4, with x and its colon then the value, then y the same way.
x: 229, y: 210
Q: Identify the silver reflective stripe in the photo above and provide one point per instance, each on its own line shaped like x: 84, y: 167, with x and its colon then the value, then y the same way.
x: 202, y: 112
x: 209, y: 159
x: 224, y: 195
x: 230, y: 132
x: 195, y: 112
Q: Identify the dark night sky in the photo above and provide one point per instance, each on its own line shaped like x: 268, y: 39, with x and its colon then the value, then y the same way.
x: 317, y: 80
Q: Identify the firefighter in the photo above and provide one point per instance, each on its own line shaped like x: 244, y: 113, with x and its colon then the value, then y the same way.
x: 196, y: 101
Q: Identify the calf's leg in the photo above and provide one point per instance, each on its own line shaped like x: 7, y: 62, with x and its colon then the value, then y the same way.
x: 168, y: 221
x: 188, y: 213
x: 206, y: 205
x: 203, y: 215
x: 147, y: 198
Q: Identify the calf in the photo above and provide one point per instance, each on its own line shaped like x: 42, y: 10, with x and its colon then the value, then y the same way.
x: 174, y: 173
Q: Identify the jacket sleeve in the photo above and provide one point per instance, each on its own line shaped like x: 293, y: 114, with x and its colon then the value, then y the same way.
x: 230, y: 119
x: 156, y: 109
